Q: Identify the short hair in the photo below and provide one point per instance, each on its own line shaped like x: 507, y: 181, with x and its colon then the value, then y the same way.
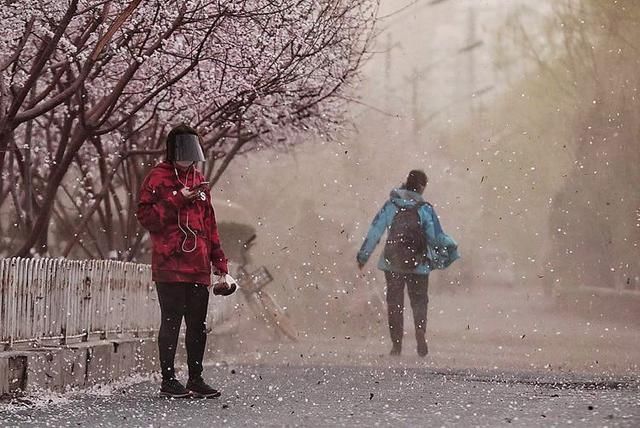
x: 417, y: 178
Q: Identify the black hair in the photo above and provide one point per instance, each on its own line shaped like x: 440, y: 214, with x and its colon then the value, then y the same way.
x: 416, y: 180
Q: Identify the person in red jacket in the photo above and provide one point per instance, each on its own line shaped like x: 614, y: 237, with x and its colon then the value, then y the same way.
x: 174, y: 205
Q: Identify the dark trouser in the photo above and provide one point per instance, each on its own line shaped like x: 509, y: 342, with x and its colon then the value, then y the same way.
x: 418, y: 288
x: 179, y: 300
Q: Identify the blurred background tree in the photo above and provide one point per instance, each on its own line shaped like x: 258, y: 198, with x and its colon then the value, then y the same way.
x: 562, y: 171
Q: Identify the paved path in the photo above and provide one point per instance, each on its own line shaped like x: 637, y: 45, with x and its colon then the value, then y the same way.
x: 268, y: 395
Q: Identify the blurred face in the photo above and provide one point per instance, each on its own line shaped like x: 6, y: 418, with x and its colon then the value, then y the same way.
x: 184, y: 164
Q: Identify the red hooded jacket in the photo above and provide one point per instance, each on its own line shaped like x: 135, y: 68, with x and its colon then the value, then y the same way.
x: 160, y: 202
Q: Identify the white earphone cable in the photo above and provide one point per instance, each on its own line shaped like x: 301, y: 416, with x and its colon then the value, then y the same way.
x: 184, y: 232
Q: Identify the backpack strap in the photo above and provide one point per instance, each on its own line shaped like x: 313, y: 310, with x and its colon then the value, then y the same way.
x: 419, y: 206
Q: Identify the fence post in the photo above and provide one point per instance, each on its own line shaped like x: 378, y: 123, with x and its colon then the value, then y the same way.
x: 64, y: 281
x: 104, y: 298
x: 13, y: 300
x: 4, y: 301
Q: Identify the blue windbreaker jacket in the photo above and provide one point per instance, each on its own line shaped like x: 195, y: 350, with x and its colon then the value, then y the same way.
x: 442, y: 250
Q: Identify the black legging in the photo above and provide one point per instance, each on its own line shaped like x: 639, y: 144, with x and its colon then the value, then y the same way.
x: 179, y: 300
x: 418, y: 288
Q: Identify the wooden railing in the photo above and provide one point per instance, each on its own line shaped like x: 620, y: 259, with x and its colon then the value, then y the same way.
x: 57, y: 301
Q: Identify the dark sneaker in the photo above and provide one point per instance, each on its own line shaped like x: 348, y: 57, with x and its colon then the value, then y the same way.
x: 395, y: 350
x: 174, y: 389
x: 423, y: 349
x: 224, y: 289
x: 200, y: 389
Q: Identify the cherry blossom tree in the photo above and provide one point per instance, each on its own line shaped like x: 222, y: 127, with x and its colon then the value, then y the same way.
x: 89, y: 89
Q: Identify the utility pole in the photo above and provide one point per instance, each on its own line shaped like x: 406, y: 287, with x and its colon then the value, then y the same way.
x: 387, y: 86
x: 387, y: 64
x: 390, y: 128
x: 416, y: 77
x: 472, y: 43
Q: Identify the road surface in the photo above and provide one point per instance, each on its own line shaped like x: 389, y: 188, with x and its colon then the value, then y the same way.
x: 308, y: 395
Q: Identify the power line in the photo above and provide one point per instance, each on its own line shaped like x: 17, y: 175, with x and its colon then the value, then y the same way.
x: 422, y: 5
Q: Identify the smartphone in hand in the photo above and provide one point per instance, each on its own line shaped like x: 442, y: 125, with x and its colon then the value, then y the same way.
x: 204, y: 186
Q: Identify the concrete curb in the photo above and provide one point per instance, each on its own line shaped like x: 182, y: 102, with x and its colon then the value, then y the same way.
x: 77, y: 365
x: 13, y: 372
x: 87, y: 363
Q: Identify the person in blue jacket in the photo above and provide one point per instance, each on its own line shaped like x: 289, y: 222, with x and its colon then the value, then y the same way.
x: 434, y: 250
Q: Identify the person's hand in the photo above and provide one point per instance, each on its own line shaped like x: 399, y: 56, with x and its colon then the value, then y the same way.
x: 201, y: 187
x: 221, y: 278
x: 222, y: 282
x: 189, y: 194
x: 360, y: 265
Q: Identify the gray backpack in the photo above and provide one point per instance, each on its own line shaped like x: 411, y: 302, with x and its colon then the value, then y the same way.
x: 406, y: 241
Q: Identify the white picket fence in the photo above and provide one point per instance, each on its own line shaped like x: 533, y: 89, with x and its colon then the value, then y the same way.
x: 61, y: 301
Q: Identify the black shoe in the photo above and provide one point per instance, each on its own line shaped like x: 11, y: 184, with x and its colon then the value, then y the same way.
x: 174, y: 389
x: 423, y: 349
x: 395, y: 350
x: 200, y: 389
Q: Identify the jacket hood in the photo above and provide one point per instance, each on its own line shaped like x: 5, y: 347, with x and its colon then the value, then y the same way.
x: 403, y: 198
